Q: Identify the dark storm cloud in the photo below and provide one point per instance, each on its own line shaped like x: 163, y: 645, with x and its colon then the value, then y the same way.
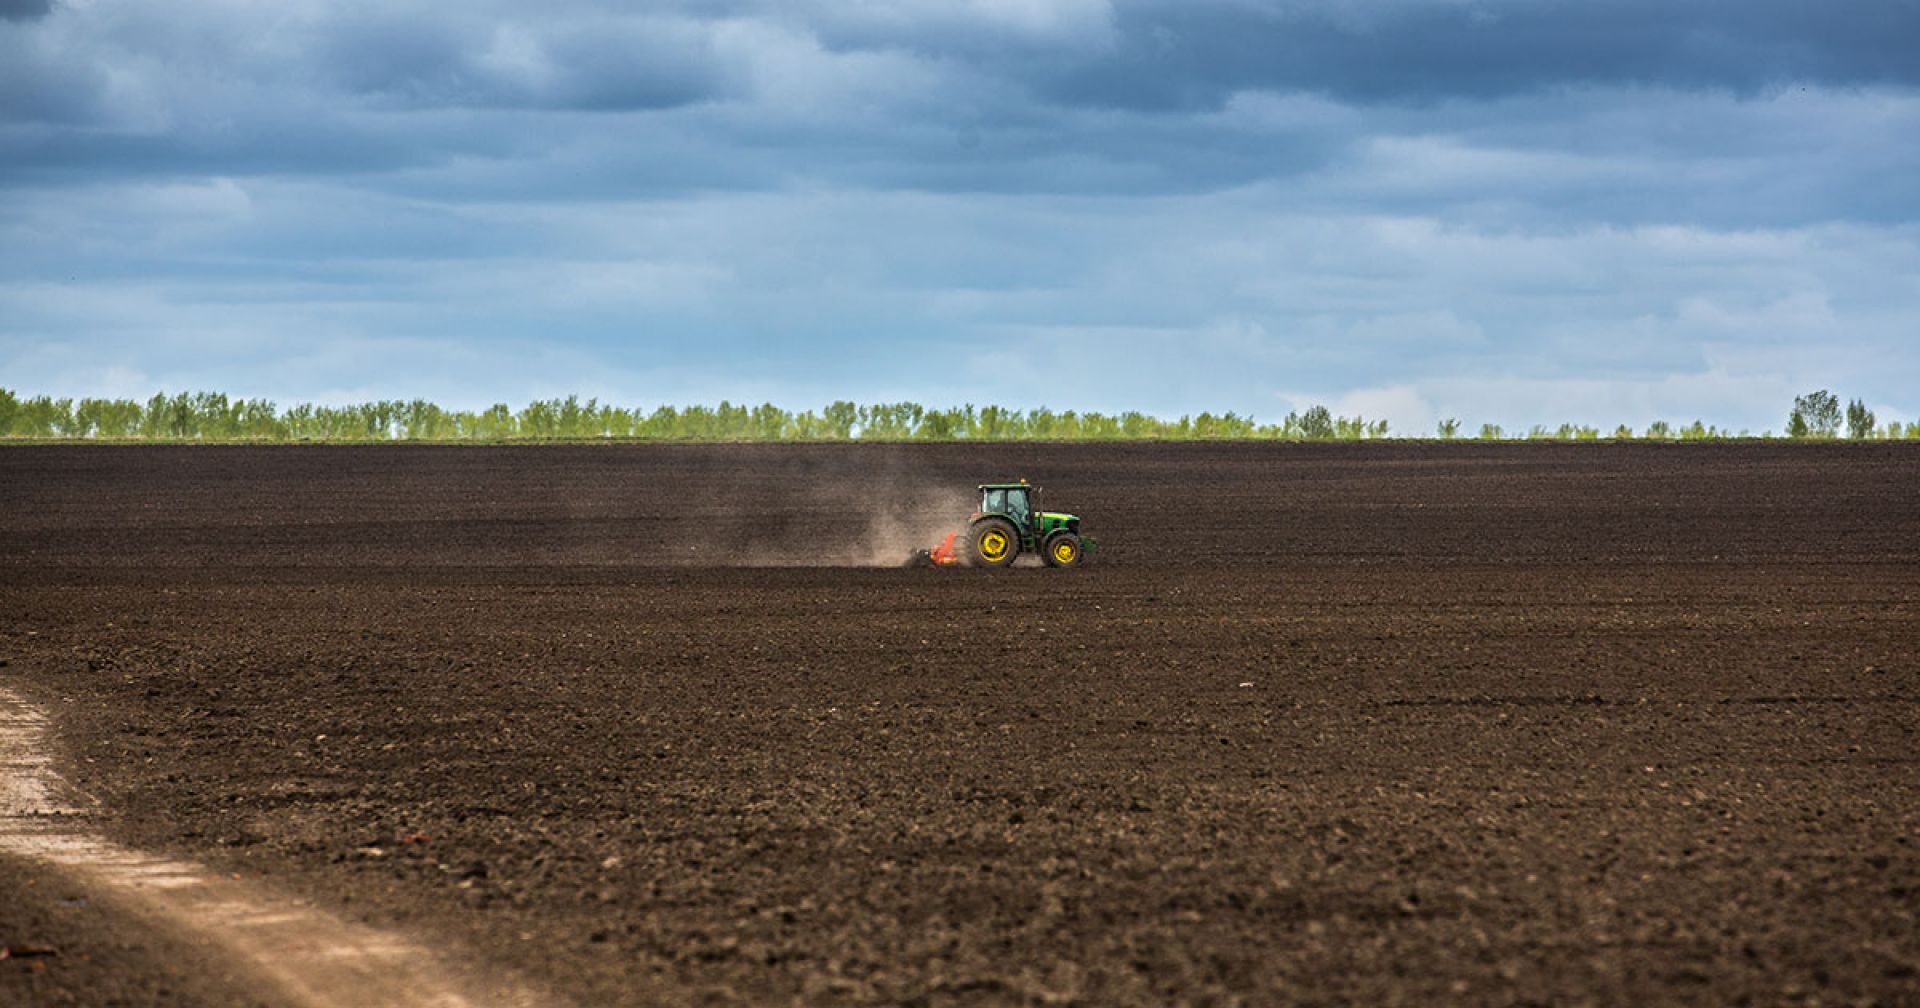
x: 1067, y: 97
x: 1172, y: 55
x: 24, y: 10
x: 312, y: 146
x: 398, y: 53
x: 35, y: 88
x: 590, y: 63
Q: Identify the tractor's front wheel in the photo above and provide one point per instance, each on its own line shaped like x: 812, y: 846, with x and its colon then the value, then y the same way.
x: 994, y: 543
x: 1062, y: 549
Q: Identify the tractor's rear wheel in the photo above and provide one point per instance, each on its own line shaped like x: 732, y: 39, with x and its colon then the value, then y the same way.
x: 994, y: 543
x: 1062, y: 549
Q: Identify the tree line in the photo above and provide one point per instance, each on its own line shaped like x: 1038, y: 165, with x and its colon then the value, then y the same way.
x: 212, y: 416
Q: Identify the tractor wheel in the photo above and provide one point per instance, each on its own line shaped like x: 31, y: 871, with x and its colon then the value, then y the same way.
x: 994, y: 543
x: 1062, y: 549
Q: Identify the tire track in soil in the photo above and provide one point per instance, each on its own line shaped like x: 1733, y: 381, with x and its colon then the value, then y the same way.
x: 313, y: 958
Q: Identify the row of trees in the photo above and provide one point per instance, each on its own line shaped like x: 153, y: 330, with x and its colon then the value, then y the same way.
x: 211, y: 416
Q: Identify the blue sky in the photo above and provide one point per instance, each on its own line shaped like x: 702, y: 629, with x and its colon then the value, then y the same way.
x: 1509, y: 211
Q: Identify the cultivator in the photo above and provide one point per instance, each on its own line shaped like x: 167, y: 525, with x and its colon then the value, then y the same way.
x: 1008, y: 524
x: 943, y: 555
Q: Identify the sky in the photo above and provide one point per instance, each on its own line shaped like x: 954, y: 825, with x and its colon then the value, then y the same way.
x: 1503, y: 211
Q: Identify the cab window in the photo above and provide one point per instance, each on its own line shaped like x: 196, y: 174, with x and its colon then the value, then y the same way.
x: 1017, y: 506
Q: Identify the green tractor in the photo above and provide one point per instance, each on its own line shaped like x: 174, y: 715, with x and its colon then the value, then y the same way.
x: 1010, y: 523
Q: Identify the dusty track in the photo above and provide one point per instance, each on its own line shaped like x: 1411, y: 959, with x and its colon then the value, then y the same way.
x: 1493, y: 724
x: 291, y: 952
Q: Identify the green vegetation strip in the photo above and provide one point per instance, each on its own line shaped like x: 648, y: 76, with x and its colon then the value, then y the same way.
x: 212, y: 416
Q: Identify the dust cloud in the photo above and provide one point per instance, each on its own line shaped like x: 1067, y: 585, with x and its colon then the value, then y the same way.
x: 915, y: 520
x: 897, y: 519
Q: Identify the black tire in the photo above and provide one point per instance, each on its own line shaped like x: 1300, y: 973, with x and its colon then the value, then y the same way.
x: 992, y: 542
x: 1062, y: 549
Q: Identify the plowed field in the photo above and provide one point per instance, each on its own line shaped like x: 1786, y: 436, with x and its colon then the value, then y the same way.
x: 1366, y: 724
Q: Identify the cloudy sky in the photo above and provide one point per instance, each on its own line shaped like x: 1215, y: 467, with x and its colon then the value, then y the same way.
x: 1516, y: 211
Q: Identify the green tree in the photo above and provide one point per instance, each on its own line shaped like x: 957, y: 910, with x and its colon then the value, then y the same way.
x: 1817, y: 413
x: 1136, y: 425
x: 56, y: 416
x: 840, y: 416
x: 616, y: 422
x: 657, y: 425
x: 111, y: 418
x: 87, y: 415
x: 179, y: 417
x: 541, y: 418
x: 495, y: 423
x: 257, y: 418
x: 1099, y: 426
x: 1352, y: 428
x: 767, y: 422
x: 1860, y: 420
x: 1449, y: 428
x: 572, y: 417
x: 994, y: 423
x: 299, y: 422
x: 421, y: 420
x: 44, y: 416
x: 379, y: 419
x: 942, y: 425
x: 1317, y: 424
x: 696, y: 423
x: 212, y: 415
x: 1491, y: 432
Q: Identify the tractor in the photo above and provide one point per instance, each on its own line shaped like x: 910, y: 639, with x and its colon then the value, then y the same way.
x: 1009, y: 523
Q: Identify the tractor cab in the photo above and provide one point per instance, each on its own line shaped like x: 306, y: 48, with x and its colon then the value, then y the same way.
x: 1014, y: 501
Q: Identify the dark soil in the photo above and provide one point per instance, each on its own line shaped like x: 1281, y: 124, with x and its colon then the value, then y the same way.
x: 1367, y: 724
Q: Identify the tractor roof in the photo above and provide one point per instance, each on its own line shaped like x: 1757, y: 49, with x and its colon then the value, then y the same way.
x: 1022, y: 485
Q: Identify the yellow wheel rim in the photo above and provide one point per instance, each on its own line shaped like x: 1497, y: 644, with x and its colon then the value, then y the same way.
x: 1063, y: 552
x: 993, y: 545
